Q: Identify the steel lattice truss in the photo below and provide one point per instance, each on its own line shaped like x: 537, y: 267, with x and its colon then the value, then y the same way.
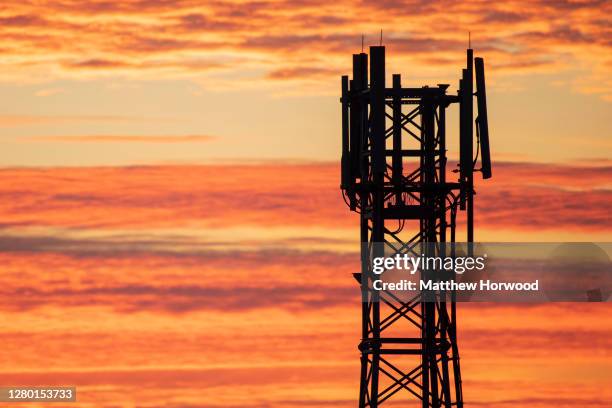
x: 394, y: 173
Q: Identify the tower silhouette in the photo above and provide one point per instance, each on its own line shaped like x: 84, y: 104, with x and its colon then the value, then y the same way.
x: 394, y: 174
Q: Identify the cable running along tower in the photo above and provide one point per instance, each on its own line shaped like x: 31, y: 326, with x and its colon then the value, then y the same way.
x: 395, y: 175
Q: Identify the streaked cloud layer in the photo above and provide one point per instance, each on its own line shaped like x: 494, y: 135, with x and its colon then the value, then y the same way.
x: 278, y: 40
x: 280, y: 195
x: 123, y: 139
x: 156, y: 284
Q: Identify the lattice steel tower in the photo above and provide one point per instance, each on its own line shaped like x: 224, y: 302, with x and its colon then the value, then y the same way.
x: 394, y: 173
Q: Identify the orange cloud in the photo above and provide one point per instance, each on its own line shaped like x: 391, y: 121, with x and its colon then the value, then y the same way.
x: 21, y: 120
x: 522, y: 196
x: 125, y: 138
x: 166, y: 39
x: 242, y: 326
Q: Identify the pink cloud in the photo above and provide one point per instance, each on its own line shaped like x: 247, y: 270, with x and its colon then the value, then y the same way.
x: 521, y: 196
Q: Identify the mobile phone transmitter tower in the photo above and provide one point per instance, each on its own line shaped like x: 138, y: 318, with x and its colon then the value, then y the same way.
x: 394, y: 174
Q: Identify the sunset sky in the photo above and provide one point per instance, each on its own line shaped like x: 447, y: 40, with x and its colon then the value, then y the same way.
x: 260, y: 79
x: 169, y: 192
